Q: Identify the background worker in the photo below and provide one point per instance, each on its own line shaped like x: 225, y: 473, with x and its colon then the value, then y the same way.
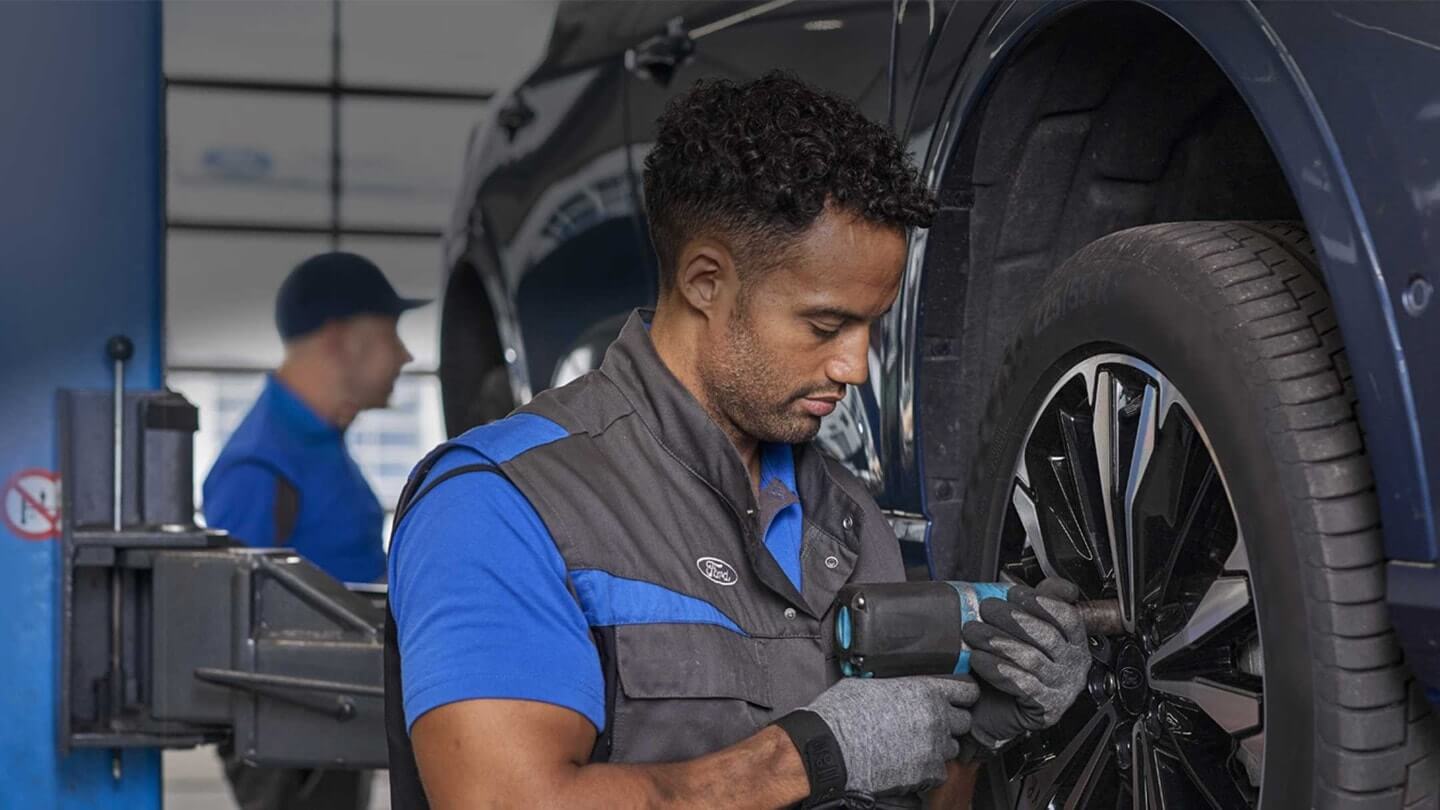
x: 622, y: 595
x: 285, y: 477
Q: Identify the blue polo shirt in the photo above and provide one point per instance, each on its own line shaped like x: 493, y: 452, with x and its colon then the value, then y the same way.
x: 481, y: 597
x: 335, y: 518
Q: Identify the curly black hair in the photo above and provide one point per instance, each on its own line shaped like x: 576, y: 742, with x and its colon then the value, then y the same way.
x: 756, y: 163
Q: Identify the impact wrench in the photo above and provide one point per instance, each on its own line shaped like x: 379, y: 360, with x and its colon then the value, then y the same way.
x: 913, y: 628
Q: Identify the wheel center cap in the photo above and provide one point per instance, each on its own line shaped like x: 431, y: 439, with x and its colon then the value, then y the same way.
x: 1130, y: 681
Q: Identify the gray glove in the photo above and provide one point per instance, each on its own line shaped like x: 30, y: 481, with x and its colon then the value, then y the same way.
x: 896, y: 734
x: 1031, y: 653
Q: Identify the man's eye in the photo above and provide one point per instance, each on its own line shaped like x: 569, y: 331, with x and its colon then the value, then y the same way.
x: 824, y: 332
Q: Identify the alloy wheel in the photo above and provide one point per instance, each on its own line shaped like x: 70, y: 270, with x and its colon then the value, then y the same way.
x: 1117, y: 488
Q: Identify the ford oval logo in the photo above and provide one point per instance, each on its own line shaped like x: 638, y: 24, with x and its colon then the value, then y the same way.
x: 1130, y: 678
x: 717, y: 571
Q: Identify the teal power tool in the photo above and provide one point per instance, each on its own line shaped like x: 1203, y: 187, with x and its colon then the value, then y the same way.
x: 913, y: 628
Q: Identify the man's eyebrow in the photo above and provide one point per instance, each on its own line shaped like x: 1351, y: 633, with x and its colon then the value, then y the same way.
x: 837, y: 313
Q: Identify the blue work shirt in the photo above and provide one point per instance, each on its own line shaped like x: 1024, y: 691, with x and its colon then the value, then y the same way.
x: 284, y: 468
x: 481, y: 596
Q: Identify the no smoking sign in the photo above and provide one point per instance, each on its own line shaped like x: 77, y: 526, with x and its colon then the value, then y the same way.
x: 32, y: 504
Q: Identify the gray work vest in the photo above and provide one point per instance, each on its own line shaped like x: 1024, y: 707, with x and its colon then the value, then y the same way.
x: 646, y: 487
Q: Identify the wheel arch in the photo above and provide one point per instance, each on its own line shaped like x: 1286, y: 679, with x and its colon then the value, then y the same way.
x: 588, y: 279
x: 1251, y: 57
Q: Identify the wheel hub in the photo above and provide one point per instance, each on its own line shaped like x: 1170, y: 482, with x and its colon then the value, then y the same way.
x: 1132, y: 689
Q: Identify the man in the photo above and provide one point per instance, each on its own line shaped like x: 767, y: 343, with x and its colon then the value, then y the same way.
x: 621, y: 595
x: 286, y: 479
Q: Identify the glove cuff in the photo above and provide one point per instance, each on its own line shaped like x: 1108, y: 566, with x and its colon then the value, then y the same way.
x: 977, y: 746
x: 821, y: 754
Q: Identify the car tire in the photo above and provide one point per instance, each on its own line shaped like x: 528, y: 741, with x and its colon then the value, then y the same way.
x: 495, y: 399
x: 1236, y: 316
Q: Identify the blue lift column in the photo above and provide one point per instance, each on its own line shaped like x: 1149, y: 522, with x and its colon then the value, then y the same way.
x: 81, y: 249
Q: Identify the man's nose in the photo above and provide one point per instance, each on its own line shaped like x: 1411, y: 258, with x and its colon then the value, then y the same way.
x: 850, y: 366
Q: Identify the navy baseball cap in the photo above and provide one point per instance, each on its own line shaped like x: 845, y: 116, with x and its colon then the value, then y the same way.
x: 335, y: 285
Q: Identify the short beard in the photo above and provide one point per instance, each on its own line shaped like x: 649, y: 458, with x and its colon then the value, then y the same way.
x: 741, y: 384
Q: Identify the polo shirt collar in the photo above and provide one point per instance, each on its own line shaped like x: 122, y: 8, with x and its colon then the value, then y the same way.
x: 292, y: 411
x: 780, y: 512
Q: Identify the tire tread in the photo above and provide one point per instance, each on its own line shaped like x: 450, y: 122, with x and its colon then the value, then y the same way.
x: 1372, y: 752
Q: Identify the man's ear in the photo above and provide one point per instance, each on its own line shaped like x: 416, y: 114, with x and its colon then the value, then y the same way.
x: 706, y: 278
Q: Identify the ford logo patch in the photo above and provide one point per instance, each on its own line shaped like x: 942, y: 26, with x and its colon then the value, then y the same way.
x: 1130, y: 678
x: 717, y: 571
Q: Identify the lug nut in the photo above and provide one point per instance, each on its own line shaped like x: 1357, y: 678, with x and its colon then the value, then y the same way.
x: 1101, y: 685
x: 1122, y: 753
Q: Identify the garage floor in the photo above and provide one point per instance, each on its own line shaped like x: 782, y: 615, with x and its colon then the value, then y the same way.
x: 193, y: 781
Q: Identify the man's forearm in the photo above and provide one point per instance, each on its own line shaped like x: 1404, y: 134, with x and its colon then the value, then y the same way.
x: 763, y: 771
x: 543, y: 761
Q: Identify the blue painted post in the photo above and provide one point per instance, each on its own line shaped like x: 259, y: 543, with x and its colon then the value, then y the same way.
x: 81, y: 248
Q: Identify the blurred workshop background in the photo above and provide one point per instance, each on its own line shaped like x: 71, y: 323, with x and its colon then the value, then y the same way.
x: 298, y: 126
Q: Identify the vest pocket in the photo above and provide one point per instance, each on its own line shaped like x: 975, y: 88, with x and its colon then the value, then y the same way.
x: 685, y: 690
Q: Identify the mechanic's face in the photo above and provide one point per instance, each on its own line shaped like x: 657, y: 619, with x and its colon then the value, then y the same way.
x: 798, y: 335
x: 372, y: 354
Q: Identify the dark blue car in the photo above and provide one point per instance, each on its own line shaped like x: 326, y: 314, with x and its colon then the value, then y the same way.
x: 1173, y: 336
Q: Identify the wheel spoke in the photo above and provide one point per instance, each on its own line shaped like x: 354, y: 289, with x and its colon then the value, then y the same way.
x: 1102, y: 751
x: 1129, y: 570
x: 1144, y: 789
x: 1233, y: 709
x: 1239, y: 559
x: 1025, y: 508
x: 1070, y: 523
x: 1061, y: 524
x: 1071, y: 766
x: 1105, y: 429
x: 1228, y: 597
x: 1078, y: 453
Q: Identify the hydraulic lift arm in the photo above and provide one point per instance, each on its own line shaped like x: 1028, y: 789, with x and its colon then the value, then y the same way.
x: 173, y: 635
